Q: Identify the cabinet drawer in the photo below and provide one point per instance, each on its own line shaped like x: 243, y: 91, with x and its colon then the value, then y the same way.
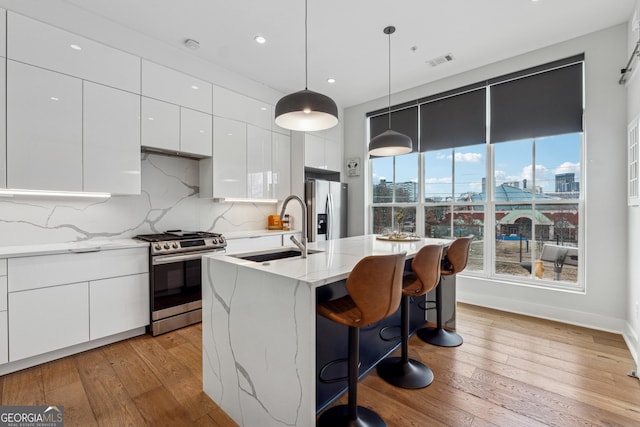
x: 51, y: 270
x: 48, y: 319
x: 118, y: 305
x: 3, y: 267
x: 3, y: 293
x: 48, y: 47
x: 173, y: 86
x: 4, y: 337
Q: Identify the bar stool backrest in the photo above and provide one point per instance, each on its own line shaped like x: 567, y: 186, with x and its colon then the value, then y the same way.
x: 457, y: 255
x: 375, y: 286
x: 426, y: 269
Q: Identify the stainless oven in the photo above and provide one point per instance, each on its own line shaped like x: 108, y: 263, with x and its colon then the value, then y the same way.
x: 176, y: 277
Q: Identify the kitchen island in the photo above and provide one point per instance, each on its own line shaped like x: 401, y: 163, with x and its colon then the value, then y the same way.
x: 259, y: 327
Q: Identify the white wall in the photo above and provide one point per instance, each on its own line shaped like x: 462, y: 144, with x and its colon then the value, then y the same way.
x: 603, y: 305
x: 633, y: 255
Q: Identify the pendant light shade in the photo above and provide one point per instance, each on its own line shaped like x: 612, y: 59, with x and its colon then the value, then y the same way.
x: 390, y: 142
x: 306, y: 110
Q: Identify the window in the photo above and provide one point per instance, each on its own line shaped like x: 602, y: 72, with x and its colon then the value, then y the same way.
x: 500, y: 161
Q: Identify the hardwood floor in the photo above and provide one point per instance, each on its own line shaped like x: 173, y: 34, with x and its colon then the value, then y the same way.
x: 512, y: 370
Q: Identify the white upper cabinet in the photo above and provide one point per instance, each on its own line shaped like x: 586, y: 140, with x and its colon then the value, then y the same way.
x: 259, y: 179
x: 111, y: 142
x: 322, y: 153
x: 234, y: 106
x: 160, y: 125
x: 3, y: 33
x: 44, y: 129
x: 196, y: 132
x: 225, y: 174
x: 171, y: 128
x: 281, y: 165
x: 175, y: 87
x: 3, y: 123
x: 33, y: 42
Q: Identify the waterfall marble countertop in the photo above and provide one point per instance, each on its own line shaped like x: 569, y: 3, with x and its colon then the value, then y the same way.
x: 69, y: 247
x: 333, y: 260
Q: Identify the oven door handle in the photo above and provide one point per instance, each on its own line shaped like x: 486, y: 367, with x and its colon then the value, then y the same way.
x: 168, y: 259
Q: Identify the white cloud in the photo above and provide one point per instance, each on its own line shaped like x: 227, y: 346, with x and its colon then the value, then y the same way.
x: 468, y: 157
x: 568, y: 167
x: 443, y: 180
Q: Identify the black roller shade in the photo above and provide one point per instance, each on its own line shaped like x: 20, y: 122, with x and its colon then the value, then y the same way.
x: 455, y: 121
x: 404, y: 121
x: 544, y: 104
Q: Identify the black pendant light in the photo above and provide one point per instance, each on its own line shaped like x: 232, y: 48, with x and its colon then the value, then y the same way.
x: 306, y: 110
x: 390, y: 142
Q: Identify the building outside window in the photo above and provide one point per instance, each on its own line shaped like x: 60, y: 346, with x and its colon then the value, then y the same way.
x: 508, y: 176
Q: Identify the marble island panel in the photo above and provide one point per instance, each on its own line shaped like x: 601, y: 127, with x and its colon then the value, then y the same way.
x: 259, y: 328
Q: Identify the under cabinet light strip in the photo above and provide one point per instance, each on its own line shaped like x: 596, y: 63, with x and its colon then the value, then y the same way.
x: 10, y: 192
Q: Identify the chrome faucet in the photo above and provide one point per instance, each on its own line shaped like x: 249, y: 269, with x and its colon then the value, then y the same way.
x: 302, y: 245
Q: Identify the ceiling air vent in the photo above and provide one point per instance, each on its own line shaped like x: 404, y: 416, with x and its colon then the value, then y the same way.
x: 440, y: 60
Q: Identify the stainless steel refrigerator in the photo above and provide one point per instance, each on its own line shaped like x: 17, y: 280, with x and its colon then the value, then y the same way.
x: 326, y: 209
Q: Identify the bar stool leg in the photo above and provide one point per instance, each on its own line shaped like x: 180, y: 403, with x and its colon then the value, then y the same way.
x: 402, y: 371
x: 438, y: 335
x: 351, y: 415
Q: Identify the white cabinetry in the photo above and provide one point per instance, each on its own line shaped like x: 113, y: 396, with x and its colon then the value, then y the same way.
x: 33, y: 42
x: 322, y: 153
x: 281, y: 164
x: 196, y: 135
x: 225, y: 174
x: 4, y: 331
x: 47, y: 319
x: 3, y: 33
x: 253, y: 243
x: 111, y: 141
x: 44, y: 129
x: 232, y: 105
x: 259, y: 183
x: 175, y: 87
x: 65, y: 291
x: 66, y: 134
x: 3, y: 122
x: 118, y: 304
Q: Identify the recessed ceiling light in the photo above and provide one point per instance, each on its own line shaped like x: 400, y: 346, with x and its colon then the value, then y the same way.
x: 194, y: 87
x: 75, y: 47
x: 263, y: 108
x: 53, y: 98
x: 331, y: 80
x: 260, y: 39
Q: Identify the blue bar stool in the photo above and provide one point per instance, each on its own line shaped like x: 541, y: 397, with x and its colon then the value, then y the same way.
x: 374, y: 289
x: 402, y: 371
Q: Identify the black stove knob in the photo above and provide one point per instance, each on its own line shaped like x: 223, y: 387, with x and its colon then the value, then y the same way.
x: 157, y: 247
x: 166, y: 246
x: 174, y: 246
x: 214, y: 241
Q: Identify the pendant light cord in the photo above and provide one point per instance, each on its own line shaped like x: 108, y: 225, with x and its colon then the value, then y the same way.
x: 389, y: 99
x: 306, y: 61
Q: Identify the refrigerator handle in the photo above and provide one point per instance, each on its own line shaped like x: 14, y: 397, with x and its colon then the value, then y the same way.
x: 330, y: 216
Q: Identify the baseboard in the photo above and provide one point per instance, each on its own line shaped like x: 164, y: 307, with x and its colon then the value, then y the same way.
x: 631, y: 338
x: 18, y: 365
x: 559, y: 314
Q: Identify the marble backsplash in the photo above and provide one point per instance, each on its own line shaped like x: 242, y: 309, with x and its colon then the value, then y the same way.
x: 169, y: 200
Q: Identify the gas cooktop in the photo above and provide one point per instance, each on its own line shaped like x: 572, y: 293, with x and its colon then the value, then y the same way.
x: 175, y: 241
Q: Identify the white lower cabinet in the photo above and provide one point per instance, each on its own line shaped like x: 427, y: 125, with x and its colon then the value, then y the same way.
x: 4, y: 337
x: 60, y: 300
x: 48, y: 319
x: 118, y: 304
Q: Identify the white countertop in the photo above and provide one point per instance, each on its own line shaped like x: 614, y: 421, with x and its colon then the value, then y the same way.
x: 69, y: 247
x: 337, y: 259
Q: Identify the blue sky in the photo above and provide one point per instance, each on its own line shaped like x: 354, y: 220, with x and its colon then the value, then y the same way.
x: 513, y: 162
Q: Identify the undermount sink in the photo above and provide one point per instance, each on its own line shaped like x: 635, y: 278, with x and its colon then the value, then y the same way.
x: 272, y: 255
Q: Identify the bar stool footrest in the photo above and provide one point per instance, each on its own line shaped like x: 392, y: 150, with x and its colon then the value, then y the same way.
x: 440, y: 337
x: 410, y: 374
x: 338, y: 416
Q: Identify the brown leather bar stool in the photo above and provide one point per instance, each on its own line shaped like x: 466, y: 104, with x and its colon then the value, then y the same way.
x: 374, y: 289
x: 402, y: 371
x: 455, y: 260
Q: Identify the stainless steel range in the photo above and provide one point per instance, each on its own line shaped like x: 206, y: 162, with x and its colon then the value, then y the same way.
x: 176, y: 276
